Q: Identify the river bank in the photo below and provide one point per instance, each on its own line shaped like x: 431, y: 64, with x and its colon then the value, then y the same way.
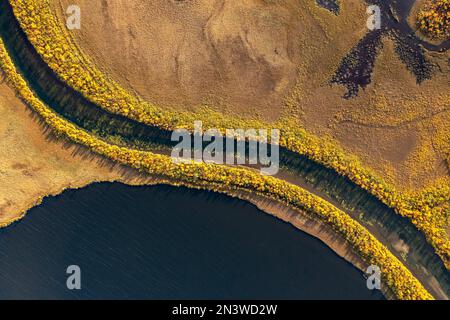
x: 158, y: 249
x: 203, y: 185
x: 48, y: 167
x: 81, y: 152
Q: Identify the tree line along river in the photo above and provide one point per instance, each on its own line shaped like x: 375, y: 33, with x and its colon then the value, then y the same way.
x: 378, y: 218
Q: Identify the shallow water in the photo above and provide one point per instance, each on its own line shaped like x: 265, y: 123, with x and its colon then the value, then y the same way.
x: 165, y: 242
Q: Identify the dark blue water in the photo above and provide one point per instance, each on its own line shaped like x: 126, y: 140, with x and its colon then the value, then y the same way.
x: 164, y: 242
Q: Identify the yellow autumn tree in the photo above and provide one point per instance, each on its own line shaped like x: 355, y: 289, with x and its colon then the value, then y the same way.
x: 433, y: 19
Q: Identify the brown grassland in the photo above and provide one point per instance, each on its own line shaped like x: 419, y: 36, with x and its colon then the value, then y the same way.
x: 268, y: 60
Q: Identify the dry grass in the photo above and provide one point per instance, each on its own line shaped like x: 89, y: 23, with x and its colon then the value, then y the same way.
x: 271, y: 60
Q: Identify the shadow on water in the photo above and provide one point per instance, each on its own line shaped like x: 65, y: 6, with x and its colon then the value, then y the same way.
x: 120, y: 130
x: 149, y: 242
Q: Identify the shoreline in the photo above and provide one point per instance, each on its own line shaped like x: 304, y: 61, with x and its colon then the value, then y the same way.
x: 294, y: 217
x: 98, y: 170
x: 204, y: 177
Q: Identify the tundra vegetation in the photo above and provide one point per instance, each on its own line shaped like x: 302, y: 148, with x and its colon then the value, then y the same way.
x: 215, y: 177
x: 428, y: 209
